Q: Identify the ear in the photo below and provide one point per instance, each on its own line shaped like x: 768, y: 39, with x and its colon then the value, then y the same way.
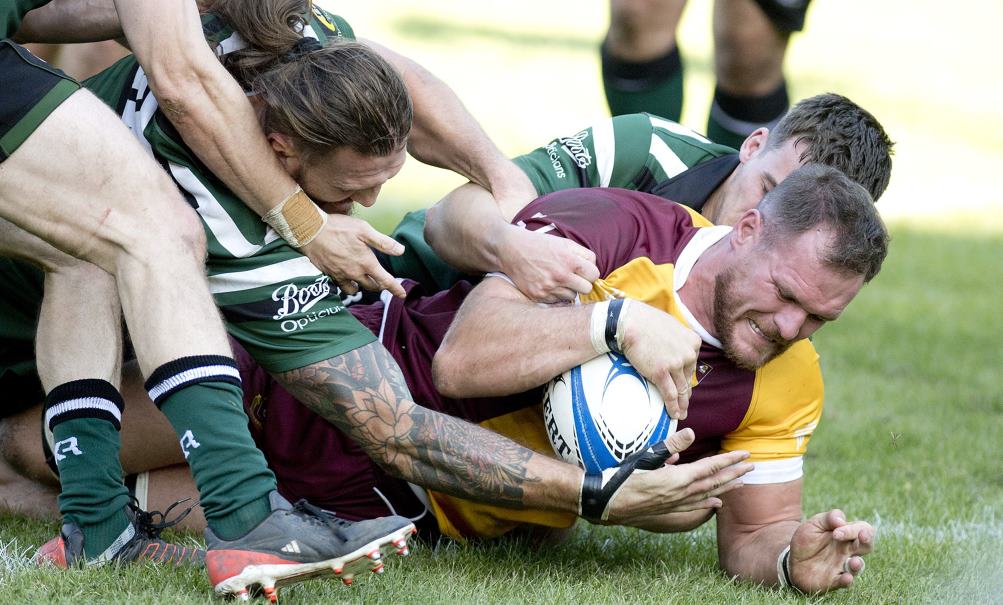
x: 753, y: 144
x: 286, y: 151
x: 748, y: 230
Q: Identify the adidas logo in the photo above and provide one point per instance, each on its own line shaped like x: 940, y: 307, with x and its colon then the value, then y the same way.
x: 292, y: 547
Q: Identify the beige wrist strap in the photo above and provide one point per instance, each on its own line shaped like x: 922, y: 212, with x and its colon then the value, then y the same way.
x: 297, y: 219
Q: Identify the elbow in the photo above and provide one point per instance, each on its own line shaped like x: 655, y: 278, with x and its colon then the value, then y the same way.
x: 446, y: 376
x: 431, y: 230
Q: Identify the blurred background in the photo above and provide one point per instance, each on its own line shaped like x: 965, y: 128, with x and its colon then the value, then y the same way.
x: 529, y: 71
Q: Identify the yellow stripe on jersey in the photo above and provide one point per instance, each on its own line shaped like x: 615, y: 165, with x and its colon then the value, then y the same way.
x: 785, y: 409
x: 459, y: 518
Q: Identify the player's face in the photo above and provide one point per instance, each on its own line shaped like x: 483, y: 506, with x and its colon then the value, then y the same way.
x: 760, y: 171
x: 777, y: 294
x: 343, y: 177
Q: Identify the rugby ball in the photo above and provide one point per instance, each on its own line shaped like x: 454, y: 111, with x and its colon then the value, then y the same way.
x: 602, y: 411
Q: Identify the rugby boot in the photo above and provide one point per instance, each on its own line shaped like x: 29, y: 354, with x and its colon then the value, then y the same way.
x: 297, y: 542
x: 139, y: 542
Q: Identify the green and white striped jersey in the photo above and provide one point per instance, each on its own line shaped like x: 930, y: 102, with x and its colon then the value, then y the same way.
x: 280, y: 307
x: 636, y: 151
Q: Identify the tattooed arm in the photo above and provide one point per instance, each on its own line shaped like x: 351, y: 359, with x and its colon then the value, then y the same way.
x: 363, y: 393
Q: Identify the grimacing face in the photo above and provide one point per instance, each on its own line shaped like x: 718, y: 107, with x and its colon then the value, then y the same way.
x: 343, y: 177
x: 779, y: 292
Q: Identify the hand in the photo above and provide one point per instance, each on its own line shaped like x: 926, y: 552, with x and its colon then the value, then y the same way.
x: 824, y: 547
x: 547, y: 268
x: 664, y: 351
x: 669, y: 488
x: 342, y: 251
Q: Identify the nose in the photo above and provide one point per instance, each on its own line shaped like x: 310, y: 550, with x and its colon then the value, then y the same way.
x: 367, y: 197
x: 790, y: 321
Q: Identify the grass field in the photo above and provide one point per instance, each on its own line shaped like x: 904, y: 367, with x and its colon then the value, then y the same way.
x: 912, y: 435
x: 910, y: 441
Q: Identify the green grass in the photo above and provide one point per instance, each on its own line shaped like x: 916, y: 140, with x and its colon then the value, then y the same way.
x: 910, y: 441
x: 912, y: 434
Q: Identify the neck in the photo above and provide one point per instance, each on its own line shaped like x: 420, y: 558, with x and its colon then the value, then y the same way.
x: 698, y: 291
x: 715, y: 206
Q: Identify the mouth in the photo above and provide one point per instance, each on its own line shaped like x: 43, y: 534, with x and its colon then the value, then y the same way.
x: 759, y: 332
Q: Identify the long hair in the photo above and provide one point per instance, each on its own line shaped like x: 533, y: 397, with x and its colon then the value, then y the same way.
x: 341, y: 94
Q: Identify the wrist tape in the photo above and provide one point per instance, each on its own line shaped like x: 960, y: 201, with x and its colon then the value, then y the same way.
x: 599, y: 489
x: 297, y: 219
x: 784, y: 570
x: 606, y: 329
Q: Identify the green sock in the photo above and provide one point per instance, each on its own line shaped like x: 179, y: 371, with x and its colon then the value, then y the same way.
x: 733, y: 117
x: 205, y: 408
x: 654, y: 86
x: 84, y: 419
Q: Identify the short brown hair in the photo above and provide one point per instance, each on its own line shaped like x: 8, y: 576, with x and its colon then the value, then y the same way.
x: 841, y: 134
x: 816, y: 195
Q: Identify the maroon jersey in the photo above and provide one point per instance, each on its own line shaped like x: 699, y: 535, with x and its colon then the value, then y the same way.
x: 644, y: 250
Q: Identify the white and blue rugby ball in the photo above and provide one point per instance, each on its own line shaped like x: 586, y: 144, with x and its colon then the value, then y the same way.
x: 603, y: 411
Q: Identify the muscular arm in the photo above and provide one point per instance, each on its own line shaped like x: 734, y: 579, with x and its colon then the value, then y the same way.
x: 69, y: 21
x: 493, y: 347
x: 363, y: 393
x: 757, y: 522
x: 202, y: 100
x: 446, y: 135
x: 754, y: 525
x: 470, y: 231
x: 501, y: 343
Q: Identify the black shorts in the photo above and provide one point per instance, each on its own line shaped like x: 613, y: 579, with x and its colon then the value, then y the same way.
x: 787, y: 15
x: 32, y: 89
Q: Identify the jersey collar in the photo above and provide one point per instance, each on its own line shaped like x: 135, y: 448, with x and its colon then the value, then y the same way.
x: 693, y: 187
x: 703, y: 239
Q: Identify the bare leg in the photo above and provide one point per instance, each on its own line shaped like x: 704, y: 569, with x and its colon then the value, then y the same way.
x: 749, y: 50
x: 640, y: 30
x: 149, y: 444
x: 119, y: 210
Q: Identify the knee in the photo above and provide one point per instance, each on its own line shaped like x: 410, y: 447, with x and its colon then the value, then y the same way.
x: 744, y: 62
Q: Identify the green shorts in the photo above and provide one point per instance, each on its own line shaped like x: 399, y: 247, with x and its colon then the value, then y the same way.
x: 419, y: 262
x: 20, y: 302
x: 32, y: 90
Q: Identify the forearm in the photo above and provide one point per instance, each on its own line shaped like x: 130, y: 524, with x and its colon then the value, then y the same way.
x: 493, y: 346
x: 363, y: 393
x: 672, y: 522
x: 753, y: 557
x: 70, y: 21
x: 446, y: 135
x: 466, y: 229
x: 203, y: 101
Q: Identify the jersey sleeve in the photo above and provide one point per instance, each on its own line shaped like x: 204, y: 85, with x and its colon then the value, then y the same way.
x: 636, y: 151
x: 785, y: 410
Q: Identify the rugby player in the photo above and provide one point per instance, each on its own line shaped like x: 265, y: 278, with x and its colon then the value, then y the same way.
x: 289, y: 316
x: 643, y: 71
x: 749, y: 296
x: 642, y: 152
x: 73, y: 181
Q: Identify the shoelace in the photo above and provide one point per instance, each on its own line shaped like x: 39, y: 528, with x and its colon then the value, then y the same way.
x: 317, y: 514
x: 153, y: 522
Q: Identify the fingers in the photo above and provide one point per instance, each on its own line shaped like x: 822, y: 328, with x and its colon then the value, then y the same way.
x: 680, y: 440
x: 383, y: 243
x: 347, y: 286
x: 857, y: 536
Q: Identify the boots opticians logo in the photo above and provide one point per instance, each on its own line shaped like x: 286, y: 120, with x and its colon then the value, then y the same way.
x: 293, y: 299
x: 576, y: 147
x: 296, y: 300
